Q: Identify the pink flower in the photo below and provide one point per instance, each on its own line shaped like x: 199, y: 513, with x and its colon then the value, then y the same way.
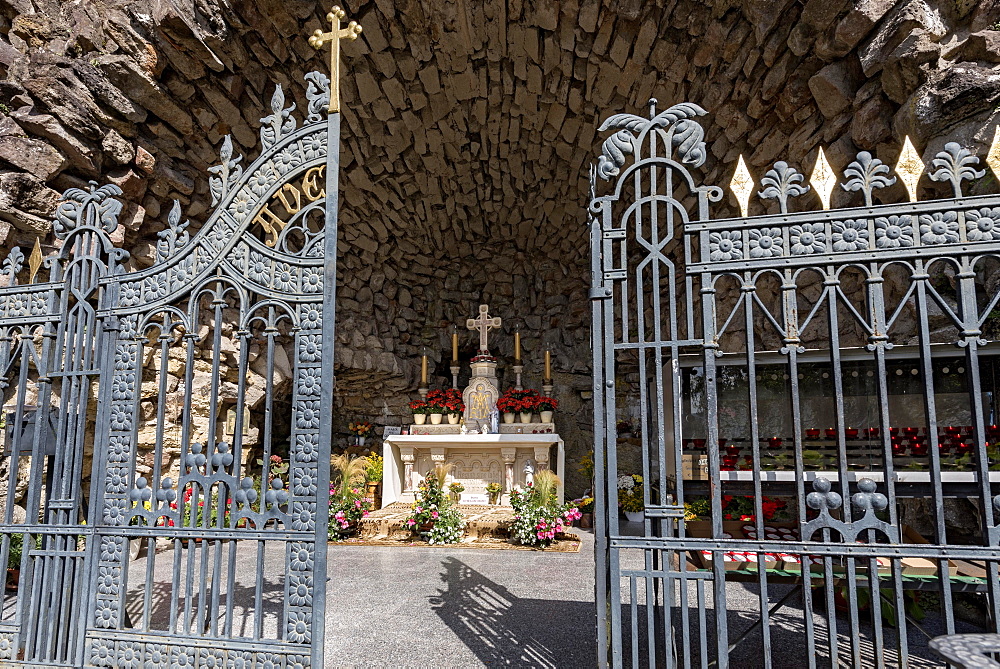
x: 434, y: 514
x: 411, y: 522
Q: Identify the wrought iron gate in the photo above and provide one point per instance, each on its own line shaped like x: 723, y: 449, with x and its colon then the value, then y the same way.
x: 137, y: 404
x: 837, y: 361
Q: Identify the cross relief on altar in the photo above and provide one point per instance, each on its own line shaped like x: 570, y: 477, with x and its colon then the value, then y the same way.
x: 484, y: 323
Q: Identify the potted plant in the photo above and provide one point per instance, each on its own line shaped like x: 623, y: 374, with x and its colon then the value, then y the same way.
x: 494, y: 490
x: 508, y: 406
x: 538, y: 516
x: 348, y: 504
x: 456, y: 489
x: 514, y: 401
x: 630, y: 497
x: 14, y: 561
x: 373, y: 477
x: 436, y: 406
x: 454, y: 405
x: 586, y: 506
x: 419, y: 410
x: 545, y: 407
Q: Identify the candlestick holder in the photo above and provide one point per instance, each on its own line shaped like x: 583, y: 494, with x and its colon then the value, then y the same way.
x: 547, y: 387
x: 422, y: 389
x: 518, y: 368
x: 454, y: 374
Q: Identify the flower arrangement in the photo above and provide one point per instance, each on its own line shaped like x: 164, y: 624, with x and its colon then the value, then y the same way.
x: 361, y: 429
x: 348, y: 504
x: 630, y: 496
x: 494, y: 490
x: 518, y: 401
x: 432, y: 514
x: 453, y: 402
x: 445, y: 401
x: 456, y: 489
x: 584, y: 504
x: 546, y: 404
x: 419, y: 407
x: 538, y: 516
x: 373, y: 471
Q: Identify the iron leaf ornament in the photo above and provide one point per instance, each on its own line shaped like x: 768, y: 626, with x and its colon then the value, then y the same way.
x: 318, y: 95
x: 781, y: 182
x: 683, y: 134
x: 12, y: 264
x: 96, y: 208
x: 866, y: 174
x: 955, y: 164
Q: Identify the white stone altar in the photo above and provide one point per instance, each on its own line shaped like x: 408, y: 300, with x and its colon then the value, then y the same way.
x: 478, y: 459
x: 509, y: 454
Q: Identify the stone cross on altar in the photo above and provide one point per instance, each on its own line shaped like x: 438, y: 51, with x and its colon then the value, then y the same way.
x: 484, y: 324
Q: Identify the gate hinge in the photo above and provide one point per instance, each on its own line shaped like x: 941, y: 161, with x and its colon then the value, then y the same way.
x: 665, y: 511
x: 600, y: 293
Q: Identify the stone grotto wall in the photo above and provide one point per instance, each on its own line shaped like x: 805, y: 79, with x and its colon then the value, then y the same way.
x: 468, y: 128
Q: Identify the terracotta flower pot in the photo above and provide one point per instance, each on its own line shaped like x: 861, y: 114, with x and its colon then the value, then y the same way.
x: 587, y: 521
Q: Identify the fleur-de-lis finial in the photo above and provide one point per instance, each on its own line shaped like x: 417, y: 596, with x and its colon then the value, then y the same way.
x: 319, y: 38
x: 909, y: 167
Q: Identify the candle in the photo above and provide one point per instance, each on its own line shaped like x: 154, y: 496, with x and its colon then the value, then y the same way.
x: 423, y: 369
x: 548, y: 365
x: 454, y: 346
x: 517, y: 345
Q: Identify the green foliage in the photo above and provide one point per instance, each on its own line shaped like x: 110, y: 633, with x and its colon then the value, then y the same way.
x: 4, y: 109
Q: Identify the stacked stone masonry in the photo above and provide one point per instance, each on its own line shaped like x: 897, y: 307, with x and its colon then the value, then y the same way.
x: 468, y: 129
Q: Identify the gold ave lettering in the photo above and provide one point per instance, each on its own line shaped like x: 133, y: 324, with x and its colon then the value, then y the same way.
x: 288, y: 201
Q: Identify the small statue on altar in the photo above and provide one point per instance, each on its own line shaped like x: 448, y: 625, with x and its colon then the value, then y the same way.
x: 484, y: 429
x: 495, y: 421
x: 529, y: 472
x: 464, y: 429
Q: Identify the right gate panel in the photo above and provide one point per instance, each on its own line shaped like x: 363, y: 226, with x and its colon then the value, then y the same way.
x: 802, y: 402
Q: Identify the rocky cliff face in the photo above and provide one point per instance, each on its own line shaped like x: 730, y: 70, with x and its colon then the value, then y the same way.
x: 467, y: 130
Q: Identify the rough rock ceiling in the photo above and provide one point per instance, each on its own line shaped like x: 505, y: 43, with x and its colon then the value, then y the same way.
x: 469, y: 124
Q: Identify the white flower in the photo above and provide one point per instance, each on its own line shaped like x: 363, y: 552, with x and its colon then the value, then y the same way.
x: 625, y: 483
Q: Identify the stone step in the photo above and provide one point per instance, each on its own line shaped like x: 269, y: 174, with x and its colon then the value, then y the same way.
x: 482, y: 522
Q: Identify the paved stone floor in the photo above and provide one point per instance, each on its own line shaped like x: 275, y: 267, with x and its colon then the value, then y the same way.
x: 446, y: 607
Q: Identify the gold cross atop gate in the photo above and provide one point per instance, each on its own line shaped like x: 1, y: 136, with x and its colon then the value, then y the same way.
x: 319, y: 38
